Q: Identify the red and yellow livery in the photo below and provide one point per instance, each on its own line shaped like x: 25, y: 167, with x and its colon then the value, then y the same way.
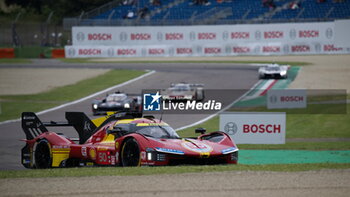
x: 121, y: 139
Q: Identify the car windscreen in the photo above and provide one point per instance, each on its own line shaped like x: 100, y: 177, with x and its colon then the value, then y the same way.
x: 273, y: 68
x: 181, y: 88
x: 116, y: 98
x: 157, y: 131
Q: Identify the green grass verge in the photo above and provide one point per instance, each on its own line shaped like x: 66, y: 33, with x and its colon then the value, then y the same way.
x: 15, y: 61
x: 298, y: 126
x: 13, y: 106
x: 88, y: 60
x: 134, y: 171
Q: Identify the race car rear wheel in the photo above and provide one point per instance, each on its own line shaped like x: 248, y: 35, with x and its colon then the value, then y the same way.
x: 130, y: 155
x: 42, y: 155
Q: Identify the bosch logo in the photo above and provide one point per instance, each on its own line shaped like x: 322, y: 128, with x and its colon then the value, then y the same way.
x: 212, y: 50
x: 318, y: 47
x: 100, y: 36
x: 180, y: 51
x: 257, y: 49
x: 228, y: 49
x: 71, y: 52
x: 329, y: 33
x: 309, y: 34
x: 261, y: 128
x: 156, y: 51
x: 273, y: 99
x: 292, y: 34
x: 110, y: 52
x: 286, y: 48
x: 174, y: 36
x: 241, y: 49
x: 89, y: 52
x: 273, y: 34
x: 126, y: 51
x: 331, y: 47
x: 159, y: 36
x: 225, y: 35
x: 271, y: 49
x: 230, y: 128
x: 206, y: 36
x: 240, y: 35
x: 192, y: 36
x: 292, y: 98
x: 199, y: 49
x: 140, y: 36
x: 80, y: 36
x: 171, y: 51
x: 123, y: 36
x: 301, y: 48
x: 257, y: 35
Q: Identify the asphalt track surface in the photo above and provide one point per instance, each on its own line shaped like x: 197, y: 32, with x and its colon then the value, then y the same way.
x: 213, y: 76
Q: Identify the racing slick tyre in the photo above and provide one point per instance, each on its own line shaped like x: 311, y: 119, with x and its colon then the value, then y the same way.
x: 130, y: 155
x: 42, y: 155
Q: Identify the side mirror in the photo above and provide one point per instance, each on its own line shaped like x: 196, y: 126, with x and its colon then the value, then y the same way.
x: 117, y: 131
x: 200, y: 130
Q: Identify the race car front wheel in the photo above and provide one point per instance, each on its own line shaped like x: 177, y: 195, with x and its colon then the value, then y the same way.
x: 130, y: 153
x: 42, y: 155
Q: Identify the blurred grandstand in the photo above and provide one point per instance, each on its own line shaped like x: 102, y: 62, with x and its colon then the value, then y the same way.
x: 208, y: 12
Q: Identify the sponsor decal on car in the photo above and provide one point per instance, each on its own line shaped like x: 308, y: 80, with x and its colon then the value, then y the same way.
x: 229, y: 150
x: 92, y: 153
x: 171, y: 151
x: 83, y: 151
x: 196, y: 146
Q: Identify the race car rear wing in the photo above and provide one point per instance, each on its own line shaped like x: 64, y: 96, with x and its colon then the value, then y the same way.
x: 82, y: 124
x: 33, y: 127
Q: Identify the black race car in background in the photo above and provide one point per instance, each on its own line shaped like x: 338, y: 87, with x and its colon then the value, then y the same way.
x: 116, y: 102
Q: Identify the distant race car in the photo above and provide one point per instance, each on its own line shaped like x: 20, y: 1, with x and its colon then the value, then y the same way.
x: 273, y: 71
x: 116, y: 102
x: 183, y: 91
x: 121, y: 139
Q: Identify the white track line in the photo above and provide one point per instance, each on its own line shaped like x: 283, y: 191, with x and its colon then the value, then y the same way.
x: 224, y: 109
x: 87, y: 97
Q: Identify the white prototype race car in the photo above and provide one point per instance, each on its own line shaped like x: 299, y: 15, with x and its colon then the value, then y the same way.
x: 183, y: 92
x: 273, y: 71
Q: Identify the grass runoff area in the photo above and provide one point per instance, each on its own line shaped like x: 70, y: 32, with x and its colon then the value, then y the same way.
x: 15, y: 61
x: 136, y: 171
x: 13, y: 106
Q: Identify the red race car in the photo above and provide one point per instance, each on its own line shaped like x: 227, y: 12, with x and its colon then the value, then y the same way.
x: 121, y: 139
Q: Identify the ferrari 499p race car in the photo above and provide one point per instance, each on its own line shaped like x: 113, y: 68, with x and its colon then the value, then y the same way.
x: 121, y: 139
x: 116, y: 102
x: 183, y: 92
x: 273, y: 71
